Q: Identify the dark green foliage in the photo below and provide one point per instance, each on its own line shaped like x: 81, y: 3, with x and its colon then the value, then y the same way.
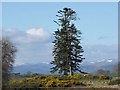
x: 67, y: 50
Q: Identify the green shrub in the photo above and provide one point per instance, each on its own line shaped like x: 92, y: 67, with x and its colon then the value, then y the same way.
x: 115, y: 82
x: 51, y: 83
x: 64, y: 77
x: 76, y: 76
x: 58, y: 83
x: 77, y: 82
x: 65, y: 83
x: 104, y: 77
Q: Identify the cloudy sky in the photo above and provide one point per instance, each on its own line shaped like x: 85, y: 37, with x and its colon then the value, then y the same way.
x: 30, y: 26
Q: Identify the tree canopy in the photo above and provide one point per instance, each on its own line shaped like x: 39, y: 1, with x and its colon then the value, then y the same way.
x: 67, y: 51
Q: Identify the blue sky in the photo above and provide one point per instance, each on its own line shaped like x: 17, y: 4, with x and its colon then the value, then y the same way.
x: 59, y: 1
x: 31, y: 25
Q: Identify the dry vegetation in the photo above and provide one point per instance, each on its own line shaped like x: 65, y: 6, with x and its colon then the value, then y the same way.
x: 77, y: 80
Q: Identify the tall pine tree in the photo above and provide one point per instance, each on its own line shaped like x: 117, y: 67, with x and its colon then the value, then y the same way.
x: 67, y: 50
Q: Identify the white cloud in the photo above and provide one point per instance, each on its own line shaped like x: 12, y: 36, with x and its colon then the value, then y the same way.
x: 37, y: 32
x: 100, y: 53
x: 92, y: 62
x: 28, y: 36
x: 37, y: 35
x: 102, y: 60
x: 18, y: 64
x: 9, y: 32
x: 34, y: 46
x: 109, y: 60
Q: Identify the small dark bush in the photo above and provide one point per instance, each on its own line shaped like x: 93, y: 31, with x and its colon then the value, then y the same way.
x: 104, y: 77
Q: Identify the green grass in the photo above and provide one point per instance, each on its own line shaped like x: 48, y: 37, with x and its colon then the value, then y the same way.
x: 96, y: 82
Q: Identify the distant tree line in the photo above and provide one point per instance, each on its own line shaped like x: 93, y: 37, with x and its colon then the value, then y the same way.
x: 115, y: 71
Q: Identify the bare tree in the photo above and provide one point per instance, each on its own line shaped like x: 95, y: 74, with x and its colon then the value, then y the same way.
x: 8, y: 58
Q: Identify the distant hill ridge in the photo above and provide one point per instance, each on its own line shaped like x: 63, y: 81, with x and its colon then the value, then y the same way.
x: 44, y: 68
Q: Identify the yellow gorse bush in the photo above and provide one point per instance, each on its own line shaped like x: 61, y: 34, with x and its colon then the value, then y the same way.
x: 76, y: 76
x: 102, y: 77
x: 54, y: 80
